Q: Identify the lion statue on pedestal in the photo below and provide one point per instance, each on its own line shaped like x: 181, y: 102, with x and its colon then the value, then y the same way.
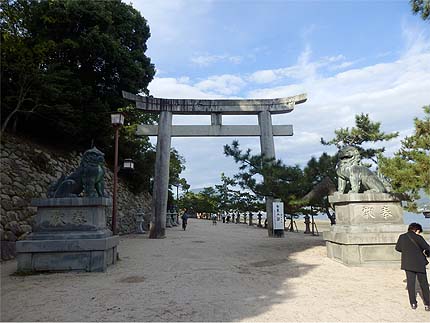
x: 349, y: 170
x: 86, y: 180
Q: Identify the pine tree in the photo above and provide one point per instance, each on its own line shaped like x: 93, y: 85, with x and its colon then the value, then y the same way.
x: 365, y: 131
x: 409, y: 169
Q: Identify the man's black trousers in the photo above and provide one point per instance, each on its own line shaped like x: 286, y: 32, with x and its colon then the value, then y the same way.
x: 422, y: 280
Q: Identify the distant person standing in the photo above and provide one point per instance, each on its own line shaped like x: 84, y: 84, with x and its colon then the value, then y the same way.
x: 414, y: 251
x: 184, y: 218
x: 223, y: 217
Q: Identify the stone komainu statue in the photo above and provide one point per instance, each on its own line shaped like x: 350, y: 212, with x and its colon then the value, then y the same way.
x: 349, y: 170
x: 88, y: 178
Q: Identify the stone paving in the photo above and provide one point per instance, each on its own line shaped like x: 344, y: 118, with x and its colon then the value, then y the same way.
x: 223, y: 272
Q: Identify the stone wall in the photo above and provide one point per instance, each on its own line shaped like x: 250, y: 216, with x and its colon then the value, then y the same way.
x: 26, y: 171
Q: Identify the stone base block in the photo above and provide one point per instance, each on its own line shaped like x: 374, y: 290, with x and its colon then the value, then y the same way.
x: 70, y: 214
x: 68, y: 234
x: 366, y: 208
x: 66, y: 255
x: 7, y: 250
x: 367, y: 228
x: 361, y: 255
x: 363, y: 248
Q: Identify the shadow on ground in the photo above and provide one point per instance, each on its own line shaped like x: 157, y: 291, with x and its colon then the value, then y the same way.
x: 227, y: 272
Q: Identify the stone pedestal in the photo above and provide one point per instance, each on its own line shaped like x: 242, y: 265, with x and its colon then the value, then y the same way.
x: 140, y: 222
x: 307, y: 224
x: 68, y: 234
x: 172, y: 216
x: 168, y: 221
x: 367, y: 228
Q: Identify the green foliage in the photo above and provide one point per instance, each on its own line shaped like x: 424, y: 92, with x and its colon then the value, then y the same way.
x: 226, y: 194
x: 422, y: 7
x: 221, y: 198
x: 320, y: 176
x: 202, y: 202
x: 137, y: 148
x: 243, y: 201
x: 80, y: 55
x: 268, y: 177
x: 409, y: 169
x: 230, y: 199
x: 64, y: 65
x: 21, y: 78
x: 176, y: 168
x: 316, y: 170
x: 365, y: 131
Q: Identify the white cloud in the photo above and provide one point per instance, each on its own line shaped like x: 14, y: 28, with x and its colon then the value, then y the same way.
x: 264, y: 76
x: 206, y: 60
x: 222, y: 84
x: 342, y: 65
x: 415, y: 38
x: 215, y: 87
x: 177, y: 88
x: 392, y: 92
x: 304, y: 69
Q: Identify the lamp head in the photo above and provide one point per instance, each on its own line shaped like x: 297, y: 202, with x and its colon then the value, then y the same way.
x: 117, y: 119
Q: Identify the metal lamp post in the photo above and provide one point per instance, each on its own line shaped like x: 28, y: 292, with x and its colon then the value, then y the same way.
x: 117, y: 120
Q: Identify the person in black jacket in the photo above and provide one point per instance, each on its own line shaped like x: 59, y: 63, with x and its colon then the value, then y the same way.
x: 184, y: 218
x: 414, y: 250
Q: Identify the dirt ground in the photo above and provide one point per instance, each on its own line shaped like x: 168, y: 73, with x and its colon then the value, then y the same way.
x: 223, y: 272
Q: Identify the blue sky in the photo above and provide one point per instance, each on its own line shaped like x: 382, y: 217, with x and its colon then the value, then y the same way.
x: 348, y: 56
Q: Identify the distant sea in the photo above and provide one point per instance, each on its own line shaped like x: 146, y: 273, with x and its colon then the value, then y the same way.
x: 408, y: 217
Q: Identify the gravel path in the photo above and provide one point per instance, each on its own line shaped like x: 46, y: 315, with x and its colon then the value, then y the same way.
x: 227, y: 272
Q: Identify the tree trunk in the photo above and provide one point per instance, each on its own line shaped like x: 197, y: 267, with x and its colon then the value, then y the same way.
x: 21, y: 98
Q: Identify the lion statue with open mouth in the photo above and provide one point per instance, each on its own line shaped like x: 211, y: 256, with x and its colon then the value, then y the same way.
x: 86, y: 180
x: 360, y: 177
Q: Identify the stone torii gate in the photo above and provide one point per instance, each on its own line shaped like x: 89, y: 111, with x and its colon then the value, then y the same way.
x: 164, y: 131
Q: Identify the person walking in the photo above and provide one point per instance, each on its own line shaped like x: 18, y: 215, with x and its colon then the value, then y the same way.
x: 414, y: 250
x: 214, y: 217
x: 184, y: 218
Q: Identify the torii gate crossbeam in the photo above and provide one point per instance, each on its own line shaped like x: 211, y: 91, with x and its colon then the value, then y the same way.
x: 215, y: 131
x: 264, y: 108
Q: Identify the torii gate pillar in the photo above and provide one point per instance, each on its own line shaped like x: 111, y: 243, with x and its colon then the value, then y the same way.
x: 161, y: 176
x: 268, y: 150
